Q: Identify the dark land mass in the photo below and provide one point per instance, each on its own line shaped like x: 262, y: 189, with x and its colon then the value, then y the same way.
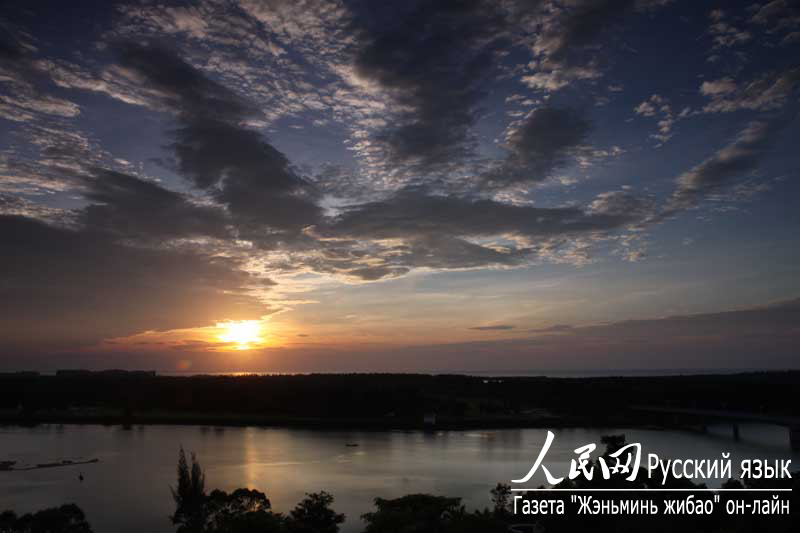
x: 387, y: 401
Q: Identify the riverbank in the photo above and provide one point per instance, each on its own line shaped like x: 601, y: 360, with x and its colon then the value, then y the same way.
x: 388, y: 401
x: 327, y: 423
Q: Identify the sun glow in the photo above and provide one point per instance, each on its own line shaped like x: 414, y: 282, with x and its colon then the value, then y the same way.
x: 244, y: 335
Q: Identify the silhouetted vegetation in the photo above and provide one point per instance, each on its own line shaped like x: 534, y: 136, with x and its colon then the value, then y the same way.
x: 243, y: 510
x: 314, y: 515
x: 382, y: 400
x: 65, y: 519
x: 189, y: 495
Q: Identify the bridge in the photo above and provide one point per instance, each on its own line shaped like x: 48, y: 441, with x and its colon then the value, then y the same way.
x: 790, y: 422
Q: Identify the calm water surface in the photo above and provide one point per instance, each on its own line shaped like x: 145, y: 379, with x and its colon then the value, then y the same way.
x: 128, y: 490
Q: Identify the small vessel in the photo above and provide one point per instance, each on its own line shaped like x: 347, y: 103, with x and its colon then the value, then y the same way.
x: 351, y: 444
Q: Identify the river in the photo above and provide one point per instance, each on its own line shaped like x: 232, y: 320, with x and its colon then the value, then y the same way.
x: 128, y: 489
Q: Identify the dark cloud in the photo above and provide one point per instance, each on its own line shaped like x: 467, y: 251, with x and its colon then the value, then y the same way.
x: 721, y: 170
x: 132, y: 208
x: 182, y: 87
x: 546, y: 135
x: 542, y: 142
x: 75, y: 287
x: 499, y: 327
x: 432, y: 57
x: 443, y: 232
x: 413, y: 213
x: 267, y: 200
x: 249, y: 175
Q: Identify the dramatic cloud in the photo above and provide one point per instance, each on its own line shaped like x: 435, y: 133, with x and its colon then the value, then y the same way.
x: 269, y: 203
x: 264, y: 195
x: 432, y: 58
x: 157, y: 167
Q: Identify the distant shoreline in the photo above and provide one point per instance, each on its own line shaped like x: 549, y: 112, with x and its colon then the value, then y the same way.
x: 365, y: 424
x: 390, y: 401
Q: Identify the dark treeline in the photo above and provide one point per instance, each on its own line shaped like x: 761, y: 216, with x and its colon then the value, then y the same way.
x: 383, y: 400
x: 250, y: 511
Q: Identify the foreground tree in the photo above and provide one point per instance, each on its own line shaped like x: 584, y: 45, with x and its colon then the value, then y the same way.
x: 190, y: 496
x: 414, y: 513
x: 65, y: 519
x: 242, y: 511
x: 314, y: 515
x: 501, y: 498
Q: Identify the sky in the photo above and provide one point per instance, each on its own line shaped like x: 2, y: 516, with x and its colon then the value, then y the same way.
x: 309, y: 185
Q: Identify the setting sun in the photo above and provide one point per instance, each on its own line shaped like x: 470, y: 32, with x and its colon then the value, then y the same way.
x: 243, y: 334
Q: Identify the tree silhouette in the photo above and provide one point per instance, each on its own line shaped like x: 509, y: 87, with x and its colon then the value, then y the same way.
x: 414, y: 513
x: 314, y: 515
x: 242, y: 511
x: 190, y: 496
x: 65, y: 519
x: 501, y: 498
